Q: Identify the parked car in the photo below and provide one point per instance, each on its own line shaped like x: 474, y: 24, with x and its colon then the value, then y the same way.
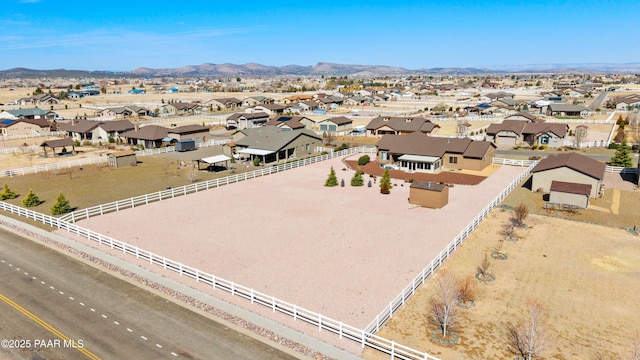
x: 391, y: 166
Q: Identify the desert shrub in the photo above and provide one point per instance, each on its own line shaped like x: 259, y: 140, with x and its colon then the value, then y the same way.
x: 467, y: 289
x: 363, y: 160
x: 111, y: 139
x: 344, y: 146
x: 385, y: 182
x: 520, y: 213
x: 543, y: 147
x: 612, y: 146
x: 31, y: 199
x: 256, y: 161
x: 357, y: 179
x: 535, y: 146
x: 61, y: 206
x: 332, y: 180
x: 7, y: 193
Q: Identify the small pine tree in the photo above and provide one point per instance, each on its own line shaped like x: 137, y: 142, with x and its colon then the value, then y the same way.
x: 385, y: 182
x: 61, y: 206
x: 7, y: 193
x: 332, y: 180
x: 622, y: 157
x: 357, y: 179
x: 31, y: 199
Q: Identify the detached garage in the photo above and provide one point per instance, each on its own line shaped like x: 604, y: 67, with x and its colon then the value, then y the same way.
x: 572, y: 194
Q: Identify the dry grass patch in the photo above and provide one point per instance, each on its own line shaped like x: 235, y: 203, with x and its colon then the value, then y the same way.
x: 99, y: 184
x: 585, y: 275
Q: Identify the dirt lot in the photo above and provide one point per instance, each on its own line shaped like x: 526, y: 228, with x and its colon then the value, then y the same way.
x: 341, y: 253
x: 586, y: 275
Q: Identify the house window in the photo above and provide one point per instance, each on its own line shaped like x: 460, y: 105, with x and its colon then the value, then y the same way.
x: 453, y: 160
x: 384, y: 155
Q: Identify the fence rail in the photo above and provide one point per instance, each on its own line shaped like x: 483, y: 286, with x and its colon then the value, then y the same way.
x: 420, y: 279
x: 141, y: 200
x: 36, y: 135
x: 513, y: 162
x: 344, y: 331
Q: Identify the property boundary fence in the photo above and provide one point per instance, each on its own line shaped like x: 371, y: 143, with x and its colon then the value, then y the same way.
x: 364, y: 338
x: 201, y: 186
x: 420, y: 279
x: 35, y: 135
x: 513, y: 162
x: 98, y: 159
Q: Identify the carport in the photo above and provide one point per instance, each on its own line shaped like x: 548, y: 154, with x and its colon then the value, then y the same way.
x: 211, y: 161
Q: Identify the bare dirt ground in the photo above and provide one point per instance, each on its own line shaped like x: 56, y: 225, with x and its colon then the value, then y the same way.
x: 586, y: 275
x: 343, y: 252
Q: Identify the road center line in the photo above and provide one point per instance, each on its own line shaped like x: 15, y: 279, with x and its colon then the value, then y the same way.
x: 48, y: 327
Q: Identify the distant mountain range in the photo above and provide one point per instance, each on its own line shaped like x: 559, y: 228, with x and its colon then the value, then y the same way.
x: 321, y: 68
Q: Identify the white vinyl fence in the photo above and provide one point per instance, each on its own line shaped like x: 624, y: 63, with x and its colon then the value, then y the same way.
x: 410, y: 289
x: 98, y: 159
x: 343, y: 331
x: 201, y: 186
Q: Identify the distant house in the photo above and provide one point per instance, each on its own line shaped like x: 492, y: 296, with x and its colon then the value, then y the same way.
x: 180, y: 108
x: 96, y: 130
x: 567, y: 110
x: 39, y: 100
x: 524, y: 117
x: 32, y: 113
x: 421, y: 153
x: 518, y: 132
x: 292, y: 122
x: 257, y: 100
x: 14, y: 127
x: 272, y: 144
x: 137, y: 91
x: 115, y: 113
x: 224, y: 103
x: 336, y: 124
x: 197, y: 133
x: 271, y: 109
x: 246, y: 120
x: 383, y: 125
x: 150, y: 136
x: 568, y: 168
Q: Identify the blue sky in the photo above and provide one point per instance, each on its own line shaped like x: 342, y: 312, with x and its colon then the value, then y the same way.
x: 123, y: 35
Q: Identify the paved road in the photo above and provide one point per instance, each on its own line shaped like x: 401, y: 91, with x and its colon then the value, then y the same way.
x: 525, y: 154
x: 597, y: 102
x: 47, y: 298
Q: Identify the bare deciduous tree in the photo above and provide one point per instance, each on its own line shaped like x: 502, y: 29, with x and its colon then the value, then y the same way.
x: 520, y: 213
x: 192, y: 174
x: 508, y: 230
x: 443, y: 311
x: 527, y: 337
x: 484, y: 269
x: 467, y: 289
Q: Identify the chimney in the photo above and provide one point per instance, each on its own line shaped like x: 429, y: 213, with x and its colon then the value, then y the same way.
x: 137, y: 126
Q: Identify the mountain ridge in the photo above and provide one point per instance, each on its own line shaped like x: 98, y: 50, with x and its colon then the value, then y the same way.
x: 321, y: 68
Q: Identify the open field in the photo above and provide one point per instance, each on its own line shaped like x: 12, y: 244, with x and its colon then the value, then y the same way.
x: 341, y: 253
x: 96, y: 184
x: 586, y: 275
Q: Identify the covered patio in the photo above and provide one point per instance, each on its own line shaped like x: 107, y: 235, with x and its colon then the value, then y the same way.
x: 265, y: 156
x: 420, y: 163
x: 62, y: 143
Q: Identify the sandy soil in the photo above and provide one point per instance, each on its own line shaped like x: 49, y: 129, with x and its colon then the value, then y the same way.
x: 586, y: 275
x: 344, y: 251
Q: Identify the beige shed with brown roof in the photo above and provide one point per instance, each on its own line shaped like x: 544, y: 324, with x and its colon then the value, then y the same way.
x: 571, y: 194
x: 429, y: 194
